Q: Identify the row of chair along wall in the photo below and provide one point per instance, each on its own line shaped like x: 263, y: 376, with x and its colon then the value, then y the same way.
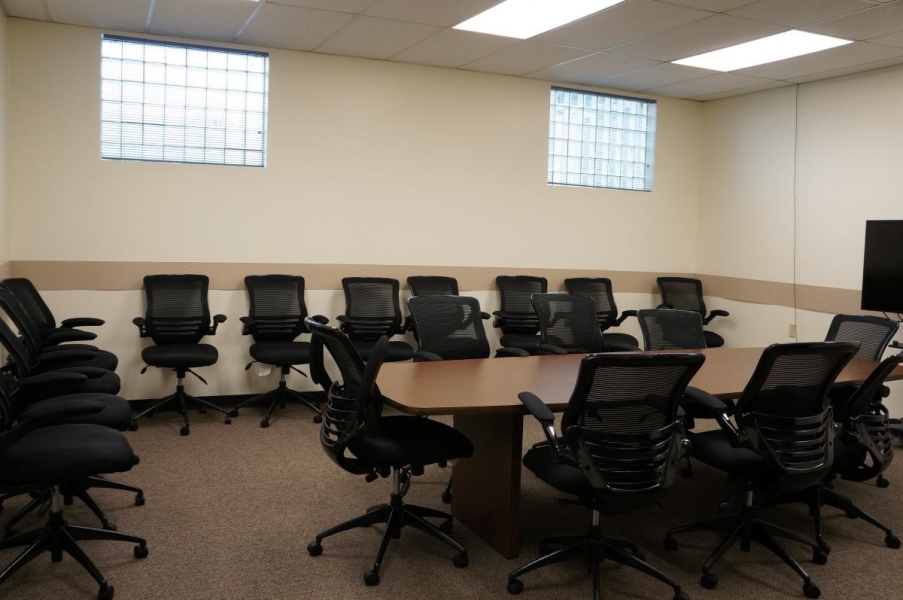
x: 749, y: 325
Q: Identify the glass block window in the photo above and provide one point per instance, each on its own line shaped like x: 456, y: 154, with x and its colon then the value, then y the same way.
x: 162, y: 101
x: 600, y: 140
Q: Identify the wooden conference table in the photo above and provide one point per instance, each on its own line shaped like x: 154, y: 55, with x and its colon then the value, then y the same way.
x: 482, y: 396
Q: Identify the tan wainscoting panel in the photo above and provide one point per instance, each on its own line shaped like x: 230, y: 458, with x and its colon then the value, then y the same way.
x: 6, y: 270
x: 808, y: 297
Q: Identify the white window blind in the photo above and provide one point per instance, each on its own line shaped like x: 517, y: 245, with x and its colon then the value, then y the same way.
x: 600, y: 140
x: 162, y: 101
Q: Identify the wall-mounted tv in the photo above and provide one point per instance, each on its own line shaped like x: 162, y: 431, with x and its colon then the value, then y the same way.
x: 882, y: 270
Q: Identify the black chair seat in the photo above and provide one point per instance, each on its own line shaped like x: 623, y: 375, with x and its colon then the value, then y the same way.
x: 65, y: 453
x: 712, y: 339
x: 522, y: 341
x: 566, y: 478
x: 714, y: 449
x: 411, y: 441
x: 395, y: 352
x: 620, y: 338
x: 101, y: 360
x: 182, y: 356
x: 848, y: 455
x: 116, y: 414
x: 100, y: 381
x: 281, y: 353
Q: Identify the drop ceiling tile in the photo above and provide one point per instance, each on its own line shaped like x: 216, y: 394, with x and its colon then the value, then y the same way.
x: 103, y: 14
x: 525, y: 57
x: 292, y: 27
x: 894, y: 39
x: 429, y: 12
x: 346, y: 6
x: 858, y: 53
x: 863, y: 25
x: 889, y: 62
x: 799, y: 12
x: 369, y: 37
x: 25, y: 9
x: 713, y: 33
x: 738, y: 92
x: 713, y: 84
x: 656, y: 76
x: 712, y: 5
x: 201, y: 19
x: 453, y: 48
x: 587, y: 69
x: 621, y: 23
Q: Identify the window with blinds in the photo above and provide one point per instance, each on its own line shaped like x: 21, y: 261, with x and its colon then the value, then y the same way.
x: 600, y: 140
x: 162, y: 101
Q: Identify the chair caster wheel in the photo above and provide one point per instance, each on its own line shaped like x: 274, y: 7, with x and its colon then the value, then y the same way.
x: 109, y: 526
x: 681, y: 596
x: 446, y: 527
x: 708, y: 581
x: 515, y: 586
x: 892, y: 541
x: 228, y: 421
x: 139, y: 499
x: 105, y: 593
x: 687, y: 472
x: 446, y: 497
x: 10, y: 533
x: 460, y: 560
x: 184, y: 431
x: 202, y: 411
x: 318, y: 419
x: 670, y: 544
x: 850, y: 514
x: 819, y: 557
x: 133, y: 426
x: 824, y: 546
x: 314, y: 549
x: 140, y: 551
x: 233, y: 412
x: 882, y: 482
x: 265, y: 423
x: 811, y: 590
x: 371, y: 578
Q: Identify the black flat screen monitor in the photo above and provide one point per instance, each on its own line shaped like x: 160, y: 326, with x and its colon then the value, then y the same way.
x: 882, y: 270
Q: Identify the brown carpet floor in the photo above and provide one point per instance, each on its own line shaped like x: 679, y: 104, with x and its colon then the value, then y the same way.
x: 231, y: 509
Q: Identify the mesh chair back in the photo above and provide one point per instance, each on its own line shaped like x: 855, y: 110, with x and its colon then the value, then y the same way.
x: 17, y: 353
x: 353, y: 405
x: 276, y: 307
x: 177, y: 310
x: 682, y: 293
x: 665, y: 329
x: 785, y: 413
x: 569, y: 322
x: 450, y: 326
x: 517, y: 308
x: 432, y: 285
x: 621, y: 421
x: 28, y: 329
x: 872, y: 333
x: 7, y: 415
x: 599, y: 289
x: 371, y: 304
x: 31, y: 301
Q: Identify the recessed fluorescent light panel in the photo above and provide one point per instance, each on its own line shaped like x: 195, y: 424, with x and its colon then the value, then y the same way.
x: 525, y: 18
x: 765, y: 50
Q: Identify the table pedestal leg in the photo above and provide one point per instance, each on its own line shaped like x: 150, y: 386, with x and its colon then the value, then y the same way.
x: 486, y: 487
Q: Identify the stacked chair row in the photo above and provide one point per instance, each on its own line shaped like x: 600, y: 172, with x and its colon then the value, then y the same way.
x: 60, y: 424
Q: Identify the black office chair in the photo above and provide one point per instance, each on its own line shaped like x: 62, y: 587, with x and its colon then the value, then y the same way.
x: 372, y: 311
x: 665, y: 329
x: 568, y: 326
x: 599, y: 289
x: 275, y: 319
x: 684, y: 293
x: 783, y: 441
x: 37, y: 452
x: 40, y: 313
x: 360, y: 440
x: 622, y: 440
x: 177, y: 318
x: 517, y: 318
x: 37, y: 343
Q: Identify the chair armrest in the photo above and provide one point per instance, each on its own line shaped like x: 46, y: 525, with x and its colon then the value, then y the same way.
x: 624, y: 315
x: 620, y: 347
x: 51, y: 378
x: 424, y: 356
x: 247, y: 325
x: 320, y: 319
x: 70, y: 335
x: 544, y: 415
x: 715, y: 313
x: 505, y: 352
x: 140, y: 323
x: 217, y: 319
x: 485, y: 315
x: 549, y: 349
x: 716, y: 407
x: 63, y: 354
x: 67, y: 347
x: 82, y: 322
x: 53, y: 411
x: 408, y: 324
x: 499, y: 318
